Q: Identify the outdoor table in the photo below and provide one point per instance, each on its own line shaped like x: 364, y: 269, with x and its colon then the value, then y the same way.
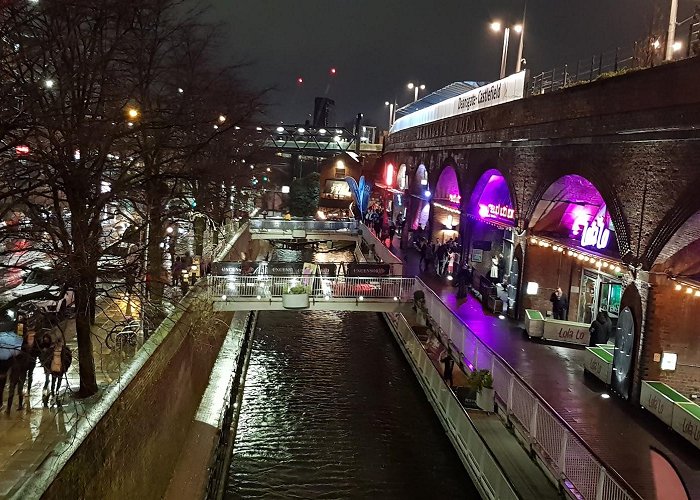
x: 686, y: 422
x: 570, y: 332
x: 661, y: 400
x: 534, y: 322
x: 599, y: 362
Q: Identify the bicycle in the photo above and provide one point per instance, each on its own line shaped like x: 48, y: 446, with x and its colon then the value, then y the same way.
x: 123, y: 334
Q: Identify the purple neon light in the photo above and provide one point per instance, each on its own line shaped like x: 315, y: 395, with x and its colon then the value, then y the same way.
x: 495, y: 193
x: 447, y: 187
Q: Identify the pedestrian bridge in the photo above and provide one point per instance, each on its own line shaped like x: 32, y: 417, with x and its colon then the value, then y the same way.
x: 310, y: 230
x: 339, y: 293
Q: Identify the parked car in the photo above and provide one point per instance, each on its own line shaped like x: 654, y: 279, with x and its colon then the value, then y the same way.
x: 40, y: 279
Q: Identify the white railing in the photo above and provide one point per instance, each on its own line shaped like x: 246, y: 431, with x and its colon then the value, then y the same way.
x: 316, y: 226
x: 483, y: 467
x: 556, y: 444
x: 248, y: 287
x: 381, y: 253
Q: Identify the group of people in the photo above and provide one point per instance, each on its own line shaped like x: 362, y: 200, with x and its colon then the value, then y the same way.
x: 442, y: 258
x: 384, y: 226
x: 54, y: 357
x: 182, y: 266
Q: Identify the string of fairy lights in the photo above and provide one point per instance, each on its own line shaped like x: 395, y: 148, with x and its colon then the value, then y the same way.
x: 575, y: 253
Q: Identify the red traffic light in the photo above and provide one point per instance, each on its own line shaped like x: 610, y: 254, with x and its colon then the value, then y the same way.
x: 22, y: 149
x: 300, y: 80
x: 333, y: 71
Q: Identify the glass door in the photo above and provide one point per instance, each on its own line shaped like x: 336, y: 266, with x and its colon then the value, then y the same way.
x: 588, y: 296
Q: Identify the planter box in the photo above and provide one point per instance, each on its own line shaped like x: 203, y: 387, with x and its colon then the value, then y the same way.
x: 660, y: 399
x: 566, y: 331
x: 534, y: 323
x: 599, y: 362
x: 295, y: 300
x: 485, y: 399
x: 686, y: 422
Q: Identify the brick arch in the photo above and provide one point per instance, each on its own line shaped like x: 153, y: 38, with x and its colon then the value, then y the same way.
x: 449, y: 162
x: 606, y: 190
x: 475, y: 181
x: 669, y: 230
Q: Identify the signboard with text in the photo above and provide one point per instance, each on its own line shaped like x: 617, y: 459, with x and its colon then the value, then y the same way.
x: 233, y: 268
x: 566, y: 331
x: 369, y: 270
x: 285, y: 268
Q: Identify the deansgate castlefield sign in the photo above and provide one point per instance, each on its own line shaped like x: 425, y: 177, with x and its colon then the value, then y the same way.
x: 499, y: 92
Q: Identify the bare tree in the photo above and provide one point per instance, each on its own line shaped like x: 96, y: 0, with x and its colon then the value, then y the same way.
x: 115, y: 105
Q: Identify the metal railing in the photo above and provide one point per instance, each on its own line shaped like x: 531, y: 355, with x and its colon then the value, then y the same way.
x: 220, y: 458
x: 277, y: 224
x: 375, y: 251
x: 643, y: 54
x: 557, y: 445
x: 265, y: 287
x: 476, y: 456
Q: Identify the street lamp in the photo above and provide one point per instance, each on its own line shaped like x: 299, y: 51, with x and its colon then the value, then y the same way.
x: 519, y: 28
x: 391, y: 112
x: 132, y: 113
x: 415, y: 88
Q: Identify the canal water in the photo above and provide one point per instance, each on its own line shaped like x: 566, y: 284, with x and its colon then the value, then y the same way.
x: 331, y: 409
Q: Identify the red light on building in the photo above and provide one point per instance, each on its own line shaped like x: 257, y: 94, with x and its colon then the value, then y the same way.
x: 22, y: 150
x: 300, y: 80
x: 333, y: 71
x: 389, y: 177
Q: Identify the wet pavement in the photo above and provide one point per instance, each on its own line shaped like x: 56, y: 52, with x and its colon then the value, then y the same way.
x: 623, y: 436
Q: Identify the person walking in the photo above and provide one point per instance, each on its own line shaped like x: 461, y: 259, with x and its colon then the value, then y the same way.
x: 449, y: 366
x: 177, y: 271
x: 598, y: 331
x: 560, y: 304
x: 392, y: 233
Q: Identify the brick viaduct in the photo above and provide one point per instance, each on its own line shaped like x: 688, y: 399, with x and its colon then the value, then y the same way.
x: 635, y: 137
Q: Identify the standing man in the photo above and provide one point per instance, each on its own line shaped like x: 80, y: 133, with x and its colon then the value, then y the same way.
x: 560, y: 304
x: 449, y: 365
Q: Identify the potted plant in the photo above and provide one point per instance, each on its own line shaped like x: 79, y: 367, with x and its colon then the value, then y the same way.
x: 296, y: 297
x: 484, y: 390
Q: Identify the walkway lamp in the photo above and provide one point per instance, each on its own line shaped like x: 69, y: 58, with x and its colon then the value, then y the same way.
x: 415, y: 87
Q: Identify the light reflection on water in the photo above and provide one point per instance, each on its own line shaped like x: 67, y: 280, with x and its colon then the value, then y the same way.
x: 332, y: 410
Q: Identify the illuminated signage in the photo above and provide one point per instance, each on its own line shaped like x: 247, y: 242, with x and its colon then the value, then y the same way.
x: 389, y: 174
x: 496, y: 211
x: 595, y: 234
x: 454, y: 198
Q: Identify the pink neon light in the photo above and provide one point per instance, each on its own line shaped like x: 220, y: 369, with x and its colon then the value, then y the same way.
x: 389, y: 174
x: 483, y: 211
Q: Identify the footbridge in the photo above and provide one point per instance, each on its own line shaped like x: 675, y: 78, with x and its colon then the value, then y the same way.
x: 277, y: 228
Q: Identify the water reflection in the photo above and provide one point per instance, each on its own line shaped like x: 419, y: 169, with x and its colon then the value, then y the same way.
x: 332, y: 410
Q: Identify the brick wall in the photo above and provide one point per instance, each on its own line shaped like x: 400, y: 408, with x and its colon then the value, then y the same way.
x: 672, y: 326
x: 132, y: 450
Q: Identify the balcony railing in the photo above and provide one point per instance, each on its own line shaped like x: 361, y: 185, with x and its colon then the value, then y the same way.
x: 316, y: 226
x: 322, y: 288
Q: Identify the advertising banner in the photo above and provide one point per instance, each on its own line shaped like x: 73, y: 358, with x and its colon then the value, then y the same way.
x: 233, y: 268
x: 285, y: 268
x: 369, y: 270
x: 505, y: 90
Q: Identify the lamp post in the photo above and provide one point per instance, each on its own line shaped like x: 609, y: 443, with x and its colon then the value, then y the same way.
x: 391, y: 111
x: 518, y: 28
x: 670, y: 39
x: 415, y: 88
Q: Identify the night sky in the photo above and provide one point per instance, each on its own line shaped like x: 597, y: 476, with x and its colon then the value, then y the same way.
x: 379, y: 46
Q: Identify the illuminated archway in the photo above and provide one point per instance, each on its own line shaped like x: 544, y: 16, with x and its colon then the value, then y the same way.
x: 573, y: 211
x: 573, y: 245
x: 489, y: 242
x: 420, y: 193
x: 446, y: 206
x: 491, y: 200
